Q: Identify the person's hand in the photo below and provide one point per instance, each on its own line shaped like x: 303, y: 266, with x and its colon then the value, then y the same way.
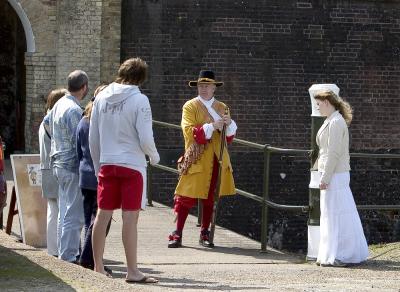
x: 155, y: 159
x: 323, y: 186
x: 227, y: 120
x: 218, y: 124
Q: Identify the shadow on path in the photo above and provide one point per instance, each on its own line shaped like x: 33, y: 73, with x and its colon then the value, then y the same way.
x: 269, y: 255
x: 119, y: 272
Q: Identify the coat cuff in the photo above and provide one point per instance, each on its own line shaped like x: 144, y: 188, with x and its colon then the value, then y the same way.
x: 229, y: 139
x: 199, y: 135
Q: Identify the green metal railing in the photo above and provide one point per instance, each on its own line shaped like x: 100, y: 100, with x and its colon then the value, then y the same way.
x: 264, y: 200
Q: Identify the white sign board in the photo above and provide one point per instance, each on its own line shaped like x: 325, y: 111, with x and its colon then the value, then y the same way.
x: 32, y: 207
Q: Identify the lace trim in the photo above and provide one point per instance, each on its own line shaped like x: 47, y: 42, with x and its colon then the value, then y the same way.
x: 192, y: 155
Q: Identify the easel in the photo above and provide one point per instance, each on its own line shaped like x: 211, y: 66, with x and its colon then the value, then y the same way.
x: 11, y: 211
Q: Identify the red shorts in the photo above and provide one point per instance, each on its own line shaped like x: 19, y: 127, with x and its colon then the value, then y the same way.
x: 119, y: 187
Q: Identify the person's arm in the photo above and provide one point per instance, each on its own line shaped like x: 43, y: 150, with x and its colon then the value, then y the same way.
x: 201, y: 133
x: 94, y: 139
x: 144, y: 127
x: 47, y: 123
x: 74, y: 117
x: 335, y: 144
x: 78, y: 141
x: 231, y: 131
x: 42, y: 148
x: 192, y: 131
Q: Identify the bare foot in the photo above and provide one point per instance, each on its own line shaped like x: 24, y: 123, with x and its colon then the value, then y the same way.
x: 102, y: 271
x: 136, y: 276
x: 144, y: 280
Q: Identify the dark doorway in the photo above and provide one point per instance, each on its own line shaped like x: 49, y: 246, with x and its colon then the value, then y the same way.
x: 12, y: 79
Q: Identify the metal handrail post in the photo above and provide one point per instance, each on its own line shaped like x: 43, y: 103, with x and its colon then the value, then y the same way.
x: 149, y: 192
x: 199, y: 213
x: 314, y: 194
x: 264, y: 206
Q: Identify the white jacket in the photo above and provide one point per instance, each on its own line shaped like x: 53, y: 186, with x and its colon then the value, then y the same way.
x: 120, y: 131
x: 333, y: 141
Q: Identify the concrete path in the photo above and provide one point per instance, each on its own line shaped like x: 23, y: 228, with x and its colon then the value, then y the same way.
x: 235, y: 264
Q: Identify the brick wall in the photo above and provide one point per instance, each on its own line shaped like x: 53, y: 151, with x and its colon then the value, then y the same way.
x: 110, y: 40
x: 78, y: 39
x: 69, y: 35
x: 88, y: 38
x: 269, y: 53
x: 40, y: 72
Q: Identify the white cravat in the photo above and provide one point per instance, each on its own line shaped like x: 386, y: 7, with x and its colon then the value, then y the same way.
x: 208, y: 127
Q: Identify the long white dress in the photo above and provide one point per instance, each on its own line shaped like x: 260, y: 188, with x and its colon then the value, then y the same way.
x: 341, y: 233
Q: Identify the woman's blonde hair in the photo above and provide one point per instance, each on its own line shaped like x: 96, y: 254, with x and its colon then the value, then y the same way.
x: 53, y: 97
x: 88, y: 109
x: 338, y: 103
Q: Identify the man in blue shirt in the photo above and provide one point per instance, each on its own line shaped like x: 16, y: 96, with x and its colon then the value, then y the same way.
x: 63, y: 120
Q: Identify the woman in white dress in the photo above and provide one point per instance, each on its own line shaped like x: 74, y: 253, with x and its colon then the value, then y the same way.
x: 342, y: 239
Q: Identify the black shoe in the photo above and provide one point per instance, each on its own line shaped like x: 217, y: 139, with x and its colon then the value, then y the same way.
x: 108, y: 270
x: 87, y: 266
x: 205, y: 239
x: 175, y: 240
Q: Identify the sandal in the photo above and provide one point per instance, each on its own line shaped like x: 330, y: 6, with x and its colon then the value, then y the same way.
x: 144, y: 280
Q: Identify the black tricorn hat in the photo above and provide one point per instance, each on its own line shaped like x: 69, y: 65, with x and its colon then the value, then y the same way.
x: 206, y: 76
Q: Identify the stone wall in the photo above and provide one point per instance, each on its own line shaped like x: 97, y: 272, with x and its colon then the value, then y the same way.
x: 40, y: 73
x: 110, y: 40
x: 269, y: 53
x: 69, y: 35
x: 40, y: 66
x: 78, y: 39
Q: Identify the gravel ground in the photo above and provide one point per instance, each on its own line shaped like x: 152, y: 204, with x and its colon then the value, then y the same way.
x: 24, y: 268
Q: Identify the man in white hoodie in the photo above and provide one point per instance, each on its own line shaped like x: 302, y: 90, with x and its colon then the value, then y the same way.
x: 120, y: 135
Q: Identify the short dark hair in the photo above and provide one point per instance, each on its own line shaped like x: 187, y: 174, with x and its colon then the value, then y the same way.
x: 132, y: 71
x: 76, y: 80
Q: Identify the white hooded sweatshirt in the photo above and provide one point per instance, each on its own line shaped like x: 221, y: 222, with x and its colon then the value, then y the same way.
x: 120, y: 131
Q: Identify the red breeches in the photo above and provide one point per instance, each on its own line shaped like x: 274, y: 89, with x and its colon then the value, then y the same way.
x: 183, y: 204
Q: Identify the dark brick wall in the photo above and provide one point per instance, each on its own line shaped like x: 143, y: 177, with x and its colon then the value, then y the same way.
x: 269, y: 53
x: 12, y: 78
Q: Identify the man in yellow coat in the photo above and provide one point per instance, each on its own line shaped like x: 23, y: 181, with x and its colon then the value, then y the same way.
x: 203, y: 118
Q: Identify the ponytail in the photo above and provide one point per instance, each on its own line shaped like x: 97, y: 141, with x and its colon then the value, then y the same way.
x: 346, y: 111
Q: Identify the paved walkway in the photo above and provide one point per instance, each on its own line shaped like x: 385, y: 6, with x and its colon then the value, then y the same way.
x: 234, y: 264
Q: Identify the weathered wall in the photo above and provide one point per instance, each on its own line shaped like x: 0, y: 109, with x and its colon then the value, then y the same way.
x: 269, y: 53
x: 78, y: 39
x: 40, y: 65
x: 69, y: 35
x: 110, y: 40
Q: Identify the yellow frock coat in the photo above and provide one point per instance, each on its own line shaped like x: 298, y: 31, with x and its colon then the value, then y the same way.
x: 196, y: 183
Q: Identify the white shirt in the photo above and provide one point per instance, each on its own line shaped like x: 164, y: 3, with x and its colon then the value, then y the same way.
x: 208, y: 127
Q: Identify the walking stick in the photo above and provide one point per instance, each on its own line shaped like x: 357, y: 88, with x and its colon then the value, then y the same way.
x: 218, y: 184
